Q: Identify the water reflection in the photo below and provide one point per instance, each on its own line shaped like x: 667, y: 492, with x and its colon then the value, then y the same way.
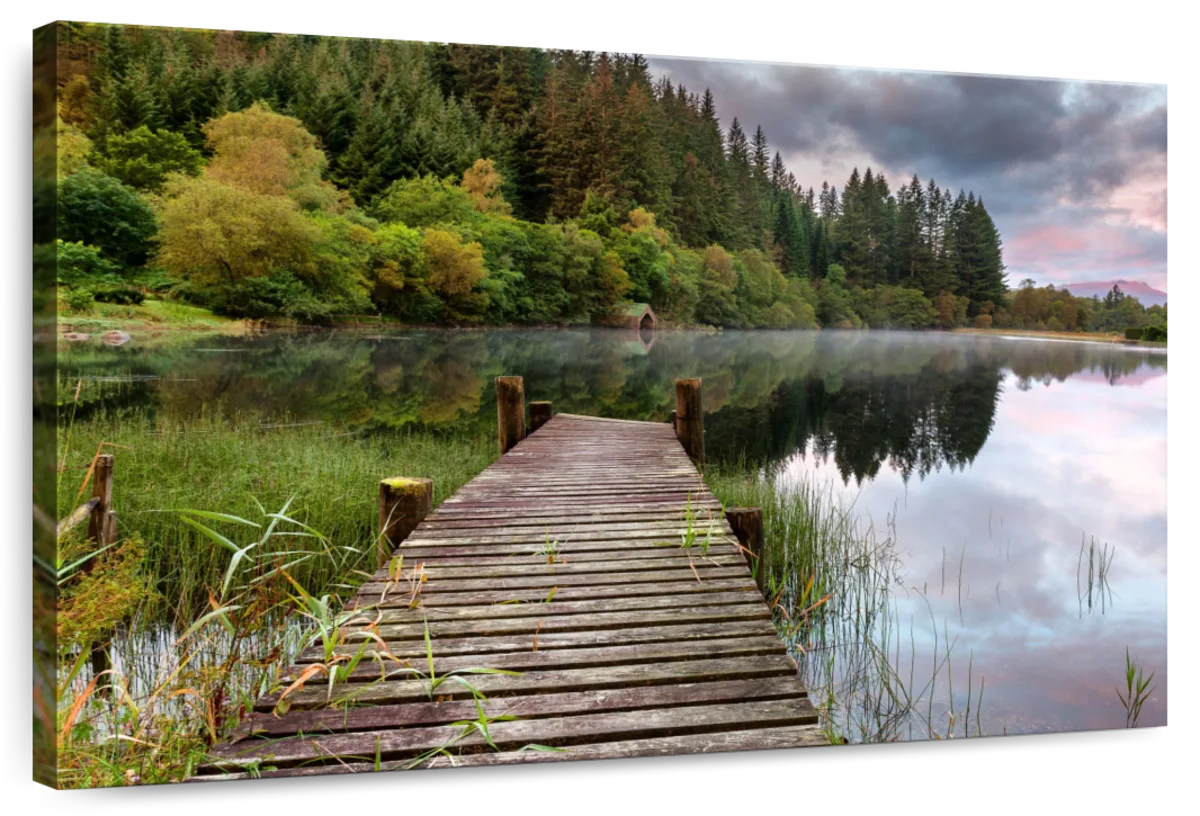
x: 915, y: 402
x: 993, y: 457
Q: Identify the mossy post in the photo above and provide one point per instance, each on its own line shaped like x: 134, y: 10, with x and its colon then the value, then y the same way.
x: 689, y: 418
x: 510, y: 411
x: 747, y: 524
x: 403, y: 504
x: 539, y: 414
x: 102, y: 524
x: 674, y: 425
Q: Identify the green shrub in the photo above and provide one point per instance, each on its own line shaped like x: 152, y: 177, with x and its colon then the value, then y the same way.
x: 77, y: 261
x: 1133, y: 334
x: 983, y: 321
x: 280, y: 295
x: 1155, y: 334
x: 122, y: 295
x: 79, y: 299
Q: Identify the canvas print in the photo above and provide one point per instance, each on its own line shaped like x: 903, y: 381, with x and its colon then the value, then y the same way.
x: 405, y: 405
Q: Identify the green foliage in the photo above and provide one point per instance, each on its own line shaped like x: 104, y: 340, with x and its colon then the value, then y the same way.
x: 1133, y: 333
x: 143, y: 158
x: 79, y: 299
x: 280, y: 294
x: 1155, y: 334
x: 78, y: 262
x: 459, y: 139
x: 426, y: 201
x: 897, y: 307
x: 96, y: 209
x: 120, y: 294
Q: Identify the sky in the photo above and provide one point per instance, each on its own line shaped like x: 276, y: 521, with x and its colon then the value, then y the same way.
x: 1074, y: 173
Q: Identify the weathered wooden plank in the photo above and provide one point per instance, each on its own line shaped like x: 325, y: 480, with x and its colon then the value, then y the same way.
x: 431, y: 598
x: 801, y: 736
x: 700, y: 573
x: 561, y: 567
x: 645, y: 674
x: 490, y: 554
x: 561, y: 607
x: 666, y: 537
x: 568, y: 514
x: 388, y: 744
x: 545, y: 641
x: 548, y: 623
x: 378, y: 667
x: 551, y: 621
x: 259, y: 725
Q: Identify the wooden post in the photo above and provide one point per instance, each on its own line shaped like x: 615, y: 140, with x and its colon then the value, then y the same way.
x: 689, y: 418
x: 747, y: 524
x: 674, y: 425
x: 403, y: 504
x: 102, y: 524
x: 539, y: 414
x: 510, y: 411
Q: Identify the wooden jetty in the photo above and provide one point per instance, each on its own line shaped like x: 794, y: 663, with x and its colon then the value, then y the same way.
x: 591, y: 564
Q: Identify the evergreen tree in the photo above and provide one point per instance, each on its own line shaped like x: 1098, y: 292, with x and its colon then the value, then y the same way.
x: 760, y: 155
x: 791, y: 237
x: 779, y: 173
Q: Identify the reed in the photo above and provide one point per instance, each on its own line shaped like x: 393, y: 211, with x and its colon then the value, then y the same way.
x: 232, y: 463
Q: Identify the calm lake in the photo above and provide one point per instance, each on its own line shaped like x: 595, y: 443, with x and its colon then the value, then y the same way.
x: 990, y: 462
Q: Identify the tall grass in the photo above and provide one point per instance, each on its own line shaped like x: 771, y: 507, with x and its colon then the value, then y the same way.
x: 231, y: 464
x: 833, y: 583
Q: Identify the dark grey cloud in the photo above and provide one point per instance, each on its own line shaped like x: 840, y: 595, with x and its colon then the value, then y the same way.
x: 1034, y: 149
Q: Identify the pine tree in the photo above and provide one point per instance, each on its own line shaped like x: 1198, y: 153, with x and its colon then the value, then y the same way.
x: 597, y: 134
x: 370, y: 161
x: 643, y: 180
x: 760, y: 155
x: 514, y: 88
x: 791, y: 237
x: 852, y: 230
x: 779, y: 173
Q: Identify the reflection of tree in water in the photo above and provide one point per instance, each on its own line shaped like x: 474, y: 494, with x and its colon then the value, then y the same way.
x: 936, y: 409
x: 915, y: 401
x: 1050, y: 362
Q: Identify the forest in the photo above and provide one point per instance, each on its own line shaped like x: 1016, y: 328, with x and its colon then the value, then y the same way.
x: 311, y: 178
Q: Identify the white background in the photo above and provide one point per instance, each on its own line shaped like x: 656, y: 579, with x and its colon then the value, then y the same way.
x: 724, y: 53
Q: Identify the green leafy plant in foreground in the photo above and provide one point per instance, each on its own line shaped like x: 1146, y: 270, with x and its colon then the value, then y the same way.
x: 1137, y: 692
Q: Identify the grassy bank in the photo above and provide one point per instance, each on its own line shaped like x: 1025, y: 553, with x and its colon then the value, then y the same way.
x: 240, y: 465
x: 150, y: 315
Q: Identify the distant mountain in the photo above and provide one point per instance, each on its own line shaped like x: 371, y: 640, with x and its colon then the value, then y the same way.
x: 1146, y: 294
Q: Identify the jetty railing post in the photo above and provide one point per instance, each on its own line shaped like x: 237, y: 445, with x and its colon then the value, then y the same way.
x: 540, y: 413
x: 747, y: 524
x: 102, y: 524
x: 510, y: 411
x: 689, y: 418
x: 403, y: 504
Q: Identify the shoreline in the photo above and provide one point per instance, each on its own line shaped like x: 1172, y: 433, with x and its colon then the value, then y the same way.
x: 137, y: 320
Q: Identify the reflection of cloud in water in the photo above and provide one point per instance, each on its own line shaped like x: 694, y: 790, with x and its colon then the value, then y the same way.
x: 1075, y: 459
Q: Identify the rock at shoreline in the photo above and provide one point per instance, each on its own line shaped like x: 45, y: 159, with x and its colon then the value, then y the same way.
x: 115, y: 338
x: 77, y: 337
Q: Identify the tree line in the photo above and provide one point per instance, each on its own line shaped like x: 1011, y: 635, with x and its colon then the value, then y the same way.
x: 276, y: 175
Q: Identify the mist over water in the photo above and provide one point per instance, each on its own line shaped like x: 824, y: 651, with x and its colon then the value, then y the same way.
x: 994, y: 459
